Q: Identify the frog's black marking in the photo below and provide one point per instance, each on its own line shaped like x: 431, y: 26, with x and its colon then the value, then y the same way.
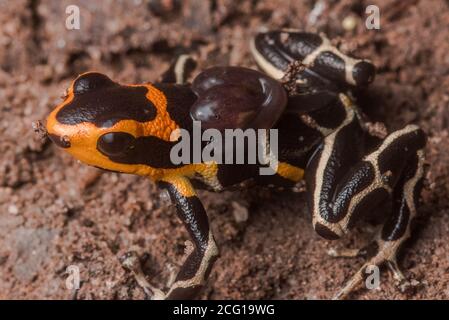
x: 275, y: 180
x: 325, y: 232
x: 366, y: 205
x: 388, y: 159
x: 330, y: 116
x: 288, y: 45
x: 191, y: 277
x: 191, y: 210
x: 92, y: 81
x: 324, y: 60
x: 332, y: 166
x: 311, y: 100
x: 296, y: 140
x: 397, y: 223
x: 151, y: 151
x: 179, y: 99
x: 363, y: 177
x: 104, y: 103
x: 332, y: 206
x: 242, y: 172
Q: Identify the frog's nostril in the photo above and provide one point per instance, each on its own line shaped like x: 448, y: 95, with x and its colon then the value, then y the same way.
x: 60, y: 141
x: 363, y: 73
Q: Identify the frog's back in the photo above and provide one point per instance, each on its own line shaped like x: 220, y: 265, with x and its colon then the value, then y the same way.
x: 179, y: 99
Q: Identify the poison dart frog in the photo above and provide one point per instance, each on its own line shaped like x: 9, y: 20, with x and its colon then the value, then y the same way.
x: 303, y: 91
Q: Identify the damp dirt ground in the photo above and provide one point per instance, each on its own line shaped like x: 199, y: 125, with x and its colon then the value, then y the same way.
x: 56, y: 212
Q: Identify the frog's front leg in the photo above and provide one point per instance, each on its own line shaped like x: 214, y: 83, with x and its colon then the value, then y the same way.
x: 197, y: 266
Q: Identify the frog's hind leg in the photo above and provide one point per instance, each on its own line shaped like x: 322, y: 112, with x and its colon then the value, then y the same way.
x: 340, y: 195
x: 396, y: 230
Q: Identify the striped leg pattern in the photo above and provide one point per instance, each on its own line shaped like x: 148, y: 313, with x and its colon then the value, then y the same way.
x: 343, y: 189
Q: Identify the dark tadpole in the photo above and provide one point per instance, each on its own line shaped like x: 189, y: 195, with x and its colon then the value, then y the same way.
x: 237, y: 98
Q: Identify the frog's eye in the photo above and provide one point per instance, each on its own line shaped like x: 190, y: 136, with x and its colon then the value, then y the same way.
x: 115, y: 143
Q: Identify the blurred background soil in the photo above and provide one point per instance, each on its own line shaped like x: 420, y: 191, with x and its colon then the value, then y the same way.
x: 55, y: 212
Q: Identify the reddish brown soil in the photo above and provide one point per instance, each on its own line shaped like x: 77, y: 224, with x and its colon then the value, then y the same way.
x: 55, y: 212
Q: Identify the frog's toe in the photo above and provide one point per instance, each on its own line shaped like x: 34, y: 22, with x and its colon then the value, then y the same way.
x: 386, y: 255
x: 345, y: 253
x: 130, y: 261
x: 402, y: 283
x: 366, y: 251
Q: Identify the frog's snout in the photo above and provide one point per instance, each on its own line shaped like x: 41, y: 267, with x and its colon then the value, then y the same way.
x: 56, y: 133
x: 62, y: 141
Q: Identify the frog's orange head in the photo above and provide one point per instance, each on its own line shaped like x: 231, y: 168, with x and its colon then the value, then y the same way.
x: 124, y: 128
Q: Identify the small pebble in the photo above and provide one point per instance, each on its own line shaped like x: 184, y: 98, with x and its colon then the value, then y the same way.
x: 349, y: 23
x: 12, y: 209
x: 164, y: 196
x: 240, y: 212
